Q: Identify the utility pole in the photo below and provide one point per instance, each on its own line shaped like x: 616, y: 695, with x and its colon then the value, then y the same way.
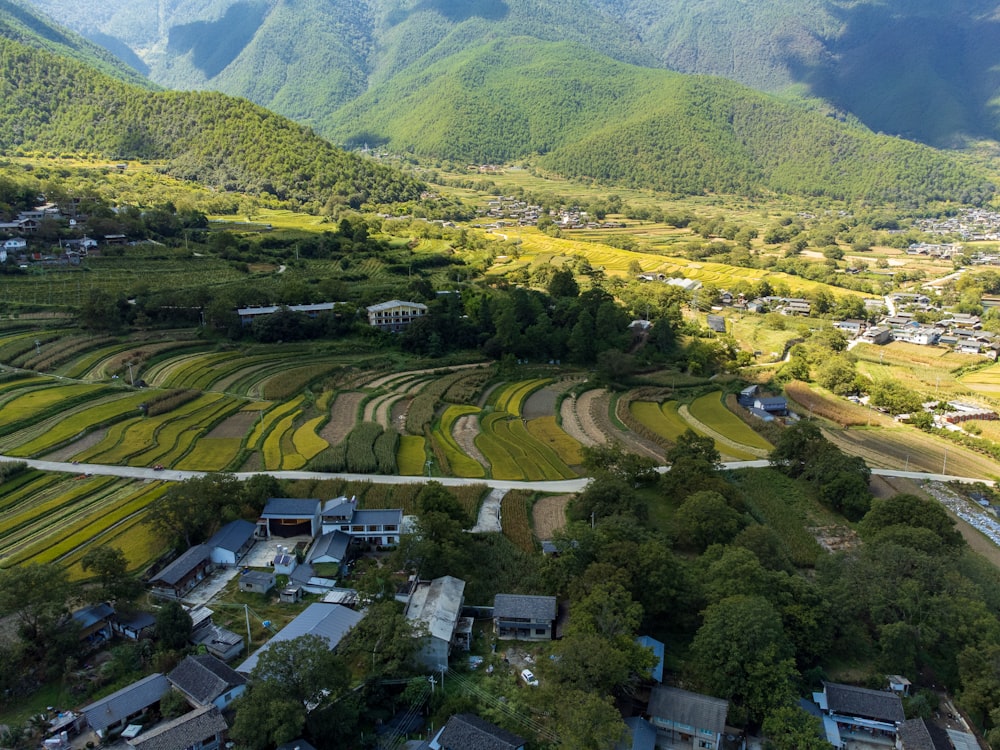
x: 246, y: 611
x: 131, y: 376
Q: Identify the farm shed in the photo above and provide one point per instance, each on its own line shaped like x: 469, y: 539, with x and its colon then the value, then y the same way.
x: 288, y: 516
x: 219, y: 642
x: 183, y: 574
x: 716, y: 323
x: 256, y: 582
x: 134, y: 625
x: 330, y: 548
x: 95, y: 623
x: 232, y: 542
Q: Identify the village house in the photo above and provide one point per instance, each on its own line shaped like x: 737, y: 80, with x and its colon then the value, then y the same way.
x: 524, y: 617
x: 435, y: 610
x: 469, y: 732
x: 95, y: 624
x: 850, y: 711
x: 204, y: 680
x: 232, y: 542
x: 395, y: 315
x: 687, y: 720
x: 378, y: 527
x: 288, y: 516
x: 201, y: 729
x: 217, y: 640
x: 114, y: 712
x: 249, y: 314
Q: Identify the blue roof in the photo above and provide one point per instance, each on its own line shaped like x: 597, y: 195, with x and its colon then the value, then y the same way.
x: 643, y: 734
x: 129, y: 700
x: 332, y: 545
x: 761, y: 414
x: 377, y: 516
x: 93, y: 614
x: 658, y: 649
x: 291, y: 507
x: 329, y: 621
x: 233, y: 535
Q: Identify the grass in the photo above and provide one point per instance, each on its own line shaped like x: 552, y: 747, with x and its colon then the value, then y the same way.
x: 710, y: 410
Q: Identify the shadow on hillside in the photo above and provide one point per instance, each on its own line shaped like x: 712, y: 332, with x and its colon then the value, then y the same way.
x: 215, y: 44
x: 457, y: 11
x: 927, y: 77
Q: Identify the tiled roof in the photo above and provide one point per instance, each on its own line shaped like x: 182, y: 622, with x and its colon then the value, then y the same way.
x: 183, y: 565
x: 329, y: 621
x: 394, y: 303
x: 233, y: 535
x: 683, y: 707
x: 205, y: 678
x: 537, y: 608
x: 849, y: 700
x: 184, y: 731
x: 917, y: 734
x: 290, y: 507
x: 469, y: 732
x: 125, y: 702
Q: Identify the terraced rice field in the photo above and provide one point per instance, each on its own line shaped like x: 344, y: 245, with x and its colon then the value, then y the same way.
x: 462, y: 465
x: 711, y: 410
x: 662, y: 419
x: 411, y: 456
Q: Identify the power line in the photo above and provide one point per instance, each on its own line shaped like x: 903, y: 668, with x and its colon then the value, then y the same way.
x: 505, y: 708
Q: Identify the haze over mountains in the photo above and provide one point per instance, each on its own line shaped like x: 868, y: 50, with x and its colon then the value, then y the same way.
x: 923, y: 69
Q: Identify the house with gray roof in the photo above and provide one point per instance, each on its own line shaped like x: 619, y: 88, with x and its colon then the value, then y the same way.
x: 684, y: 719
x: 256, y: 581
x: 469, y: 732
x: 201, y: 729
x: 330, y: 548
x: 376, y: 526
x: 289, y: 516
x: 918, y: 734
x: 217, y: 640
x: 116, y: 711
x: 848, y: 709
x: 183, y: 574
x: 331, y: 622
x: 525, y: 617
x: 232, y: 542
x: 395, y: 315
x: 133, y: 625
x: 207, y: 681
x: 435, y: 610
x: 94, y: 623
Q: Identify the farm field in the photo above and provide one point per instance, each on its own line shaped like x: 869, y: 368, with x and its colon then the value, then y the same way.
x: 929, y: 370
x: 710, y: 410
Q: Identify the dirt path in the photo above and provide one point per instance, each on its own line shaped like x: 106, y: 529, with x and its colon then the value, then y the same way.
x: 718, y: 436
x: 549, y: 515
x: 465, y: 430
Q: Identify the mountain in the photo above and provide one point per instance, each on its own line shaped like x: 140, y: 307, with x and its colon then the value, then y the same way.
x: 923, y: 69
x: 585, y: 115
x: 51, y: 103
x: 22, y: 23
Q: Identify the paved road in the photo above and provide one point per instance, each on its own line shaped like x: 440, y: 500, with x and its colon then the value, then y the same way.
x: 555, y: 486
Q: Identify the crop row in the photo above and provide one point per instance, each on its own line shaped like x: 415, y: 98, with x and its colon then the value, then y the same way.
x: 411, y: 455
x: 546, y: 431
x: 424, y: 405
x: 47, y: 434
x: 511, y: 397
x: 459, y: 463
x: 63, y: 351
x: 514, y: 454
x: 133, y: 536
x: 270, y: 418
x: 515, y: 519
x: 27, y: 408
x: 710, y: 410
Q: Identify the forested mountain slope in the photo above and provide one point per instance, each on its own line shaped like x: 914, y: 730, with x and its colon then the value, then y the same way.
x: 921, y: 69
x: 53, y: 103
x: 589, y: 116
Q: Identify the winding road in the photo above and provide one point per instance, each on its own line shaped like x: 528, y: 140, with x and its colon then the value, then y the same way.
x: 555, y: 486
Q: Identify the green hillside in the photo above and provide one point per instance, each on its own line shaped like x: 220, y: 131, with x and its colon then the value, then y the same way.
x: 586, y: 115
x: 54, y: 104
x: 924, y: 70
x: 23, y: 24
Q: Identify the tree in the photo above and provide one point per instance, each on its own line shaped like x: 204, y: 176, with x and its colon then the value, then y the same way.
x: 696, y: 447
x: 893, y: 516
x: 173, y: 627
x: 194, y: 509
x: 37, y: 595
x: 110, y: 567
x: 384, y: 640
x: 587, y: 721
x: 705, y: 518
x: 612, y: 459
x: 305, y: 670
x: 266, y: 717
x: 740, y: 653
x: 791, y: 728
x: 563, y: 284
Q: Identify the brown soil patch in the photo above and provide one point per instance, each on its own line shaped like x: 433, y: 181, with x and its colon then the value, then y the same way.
x: 549, y: 515
x: 343, y: 417
x: 465, y: 430
x: 541, y: 403
x: 236, y: 426
x: 570, y: 422
x: 587, y: 405
x: 835, y: 538
x: 254, y: 462
x: 67, y: 452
